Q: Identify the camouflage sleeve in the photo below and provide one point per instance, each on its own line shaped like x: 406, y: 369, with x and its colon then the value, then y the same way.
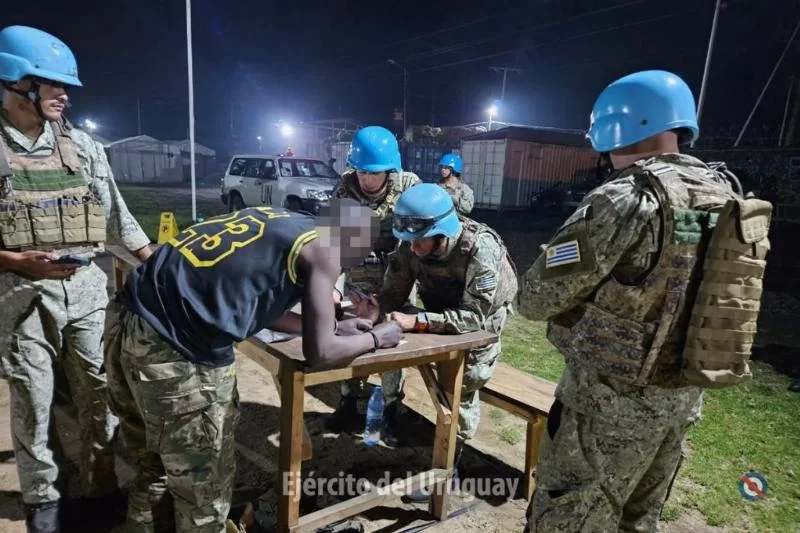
x: 482, y: 277
x: 121, y: 225
x: 466, y: 200
x: 408, y: 180
x: 612, y: 222
x: 398, y: 280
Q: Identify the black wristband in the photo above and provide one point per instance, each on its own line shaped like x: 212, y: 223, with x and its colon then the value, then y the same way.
x: 375, y: 338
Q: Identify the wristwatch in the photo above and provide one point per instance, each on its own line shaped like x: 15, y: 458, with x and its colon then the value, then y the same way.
x: 421, y: 326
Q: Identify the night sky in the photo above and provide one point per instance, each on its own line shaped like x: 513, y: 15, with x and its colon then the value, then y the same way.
x: 256, y: 63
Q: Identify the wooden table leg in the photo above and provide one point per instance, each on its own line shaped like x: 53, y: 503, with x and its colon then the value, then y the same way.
x: 308, y: 450
x: 534, y: 440
x: 291, y: 445
x: 451, y: 376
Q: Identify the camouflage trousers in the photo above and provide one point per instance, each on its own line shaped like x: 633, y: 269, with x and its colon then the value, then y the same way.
x: 593, y: 476
x: 49, y: 326
x: 478, y: 369
x: 178, y: 418
x: 391, y: 384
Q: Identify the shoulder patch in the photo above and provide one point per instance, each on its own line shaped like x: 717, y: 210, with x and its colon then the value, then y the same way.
x: 565, y: 253
x: 485, y: 283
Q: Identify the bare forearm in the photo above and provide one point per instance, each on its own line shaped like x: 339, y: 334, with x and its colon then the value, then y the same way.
x: 289, y: 323
x: 339, y: 350
x: 8, y: 260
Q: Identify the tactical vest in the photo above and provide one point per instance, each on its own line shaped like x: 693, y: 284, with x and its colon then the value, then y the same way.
x: 46, y: 203
x: 690, y: 320
x: 442, y: 283
x: 369, y: 275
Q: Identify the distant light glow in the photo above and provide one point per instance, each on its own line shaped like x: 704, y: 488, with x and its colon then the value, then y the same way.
x: 287, y: 130
x: 492, y: 110
x: 258, y: 138
x: 90, y: 124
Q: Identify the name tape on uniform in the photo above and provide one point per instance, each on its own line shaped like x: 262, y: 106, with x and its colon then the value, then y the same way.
x: 562, y: 254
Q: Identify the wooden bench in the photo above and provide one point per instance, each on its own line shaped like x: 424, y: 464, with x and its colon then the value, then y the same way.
x: 527, y: 397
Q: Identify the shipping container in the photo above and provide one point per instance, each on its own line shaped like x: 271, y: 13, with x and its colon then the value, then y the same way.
x: 507, y: 168
x: 423, y: 159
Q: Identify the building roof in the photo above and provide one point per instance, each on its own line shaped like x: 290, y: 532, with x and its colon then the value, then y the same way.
x: 537, y: 134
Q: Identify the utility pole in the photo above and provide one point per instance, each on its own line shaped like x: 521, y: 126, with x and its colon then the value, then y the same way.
x: 766, y: 85
x: 505, y: 71
x: 405, y: 93
x: 433, y: 98
x: 139, y: 115
x: 786, y: 111
x: 707, y: 67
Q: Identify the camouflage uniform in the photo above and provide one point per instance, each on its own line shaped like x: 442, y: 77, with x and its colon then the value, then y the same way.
x: 60, y: 320
x: 606, y: 285
x: 461, y: 193
x: 469, y: 288
x: 369, y: 275
x: 192, y: 454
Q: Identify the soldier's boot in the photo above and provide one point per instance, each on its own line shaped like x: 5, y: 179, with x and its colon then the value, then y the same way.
x: 423, y: 495
x: 391, y: 429
x: 345, y: 417
x: 42, y: 517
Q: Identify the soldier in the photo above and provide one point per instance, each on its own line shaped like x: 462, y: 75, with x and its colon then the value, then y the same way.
x: 170, y: 359
x: 57, y: 200
x: 617, y: 284
x: 461, y: 193
x: 376, y: 179
x: 467, y: 282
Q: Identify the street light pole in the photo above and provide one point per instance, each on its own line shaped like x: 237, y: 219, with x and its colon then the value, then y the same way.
x: 405, y: 93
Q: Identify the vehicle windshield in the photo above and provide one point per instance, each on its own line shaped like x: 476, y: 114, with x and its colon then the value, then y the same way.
x: 306, y: 168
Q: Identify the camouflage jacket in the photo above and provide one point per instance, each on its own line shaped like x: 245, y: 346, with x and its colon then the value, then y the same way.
x: 462, y: 290
x: 462, y: 195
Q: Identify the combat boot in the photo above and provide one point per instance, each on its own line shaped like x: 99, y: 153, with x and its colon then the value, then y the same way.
x: 391, y: 430
x: 42, y: 517
x: 345, y: 417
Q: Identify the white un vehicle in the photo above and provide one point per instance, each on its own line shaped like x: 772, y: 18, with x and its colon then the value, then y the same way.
x: 293, y: 182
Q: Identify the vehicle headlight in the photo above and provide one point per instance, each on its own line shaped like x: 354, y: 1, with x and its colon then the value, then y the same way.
x: 318, y: 195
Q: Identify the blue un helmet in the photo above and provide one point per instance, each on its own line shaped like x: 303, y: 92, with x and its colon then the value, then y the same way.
x: 425, y: 210
x: 453, y: 161
x: 26, y: 51
x: 374, y: 149
x: 639, y: 106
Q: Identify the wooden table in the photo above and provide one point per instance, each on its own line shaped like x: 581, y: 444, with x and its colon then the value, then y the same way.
x: 284, y: 360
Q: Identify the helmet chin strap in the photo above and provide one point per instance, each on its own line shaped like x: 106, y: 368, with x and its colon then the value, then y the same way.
x: 33, y: 96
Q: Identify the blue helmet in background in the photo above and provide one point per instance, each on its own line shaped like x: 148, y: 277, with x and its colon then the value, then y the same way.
x: 639, y: 106
x: 374, y: 149
x: 453, y: 161
x: 425, y: 210
x: 26, y: 51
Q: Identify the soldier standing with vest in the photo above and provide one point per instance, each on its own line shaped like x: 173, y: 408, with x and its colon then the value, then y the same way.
x: 376, y: 179
x: 649, y: 303
x: 451, y: 168
x: 57, y: 200
x: 467, y: 282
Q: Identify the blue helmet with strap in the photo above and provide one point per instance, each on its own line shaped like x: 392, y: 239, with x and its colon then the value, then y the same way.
x: 425, y: 210
x: 639, y: 106
x: 26, y: 51
x: 453, y: 161
x: 374, y: 149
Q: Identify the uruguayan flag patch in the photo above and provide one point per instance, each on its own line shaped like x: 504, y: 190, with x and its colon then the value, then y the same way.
x: 562, y: 254
x: 486, y: 282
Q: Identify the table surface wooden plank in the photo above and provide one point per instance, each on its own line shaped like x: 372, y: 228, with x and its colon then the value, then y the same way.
x: 415, y: 345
